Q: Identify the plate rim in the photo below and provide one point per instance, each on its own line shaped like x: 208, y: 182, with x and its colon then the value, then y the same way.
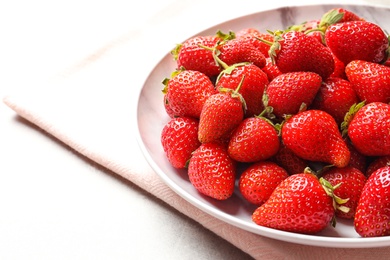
x: 302, y: 239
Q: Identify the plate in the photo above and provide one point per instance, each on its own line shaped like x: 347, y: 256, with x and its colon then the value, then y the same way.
x: 151, y: 118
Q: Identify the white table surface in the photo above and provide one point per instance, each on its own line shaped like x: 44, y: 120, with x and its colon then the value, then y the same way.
x: 46, y: 211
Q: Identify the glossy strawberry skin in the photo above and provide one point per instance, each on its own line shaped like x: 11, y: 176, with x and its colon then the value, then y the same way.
x: 289, y: 160
x: 288, y: 91
x: 254, y: 139
x: 220, y: 115
x: 241, y: 50
x: 193, y: 56
x: 314, y: 135
x: 358, y: 160
x: 298, y: 204
x: 271, y: 69
x: 357, y: 40
x: 299, y: 52
x: 377, y: 163
x: 187, y: 92
x: 252, y: 36
x: 179, y: 139
x: 372, y: 213
x: 259, y: 180
x: 371, y: 81
x: 212, y: 172
x: 252, y: 88
x: 352, y: 182
x: 369, y: 129
x: 349, y: 15
x: 339, y: 68
x: 335, y: 96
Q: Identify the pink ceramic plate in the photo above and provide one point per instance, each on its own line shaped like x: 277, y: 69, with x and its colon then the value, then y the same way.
x: 236, y: 211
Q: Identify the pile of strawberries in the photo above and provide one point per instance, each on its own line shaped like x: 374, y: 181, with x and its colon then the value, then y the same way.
x: 298, y: 120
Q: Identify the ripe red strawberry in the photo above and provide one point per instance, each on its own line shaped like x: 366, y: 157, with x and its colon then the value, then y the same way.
x: 254, y: 139
x: 289, y: 160
x: 351, y: 182
x: 212, y: 172
x: 310, y: 28
x: 314, y: 135
x: 271, y: 69
x: 253, y: 35
x: 371, y: 81
x: 288, y: 91
x: 186, y: 92
x: 379, y: 162
x: 372, y: 213
x: 296, y: 51
x: 338, y: 15
x: 339, y: 68
x: 357, y: 40
x: 240, y: 50
x: 179, y: 139
x: 220, y: 115
x: 167, y: 107
x: 299, y: 204
x: 192, y: 55
x: 358, y: 160
x: 259, y: 180
x: 252, y: 88
x: 369, y: 129
x: 335, y: 97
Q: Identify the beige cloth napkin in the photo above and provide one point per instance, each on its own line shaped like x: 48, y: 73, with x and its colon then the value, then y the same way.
x: 91, y: 108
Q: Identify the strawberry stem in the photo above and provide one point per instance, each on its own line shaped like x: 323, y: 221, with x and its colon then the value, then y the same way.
x: 349, y: 116
x: 235, y: 93
x: 329, y: 18
x: 336, y: 200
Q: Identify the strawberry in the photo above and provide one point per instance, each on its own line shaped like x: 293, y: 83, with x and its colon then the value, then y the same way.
x: 377, y: 163
x: 179, y: 139
x: 287, y: 92
x: 314, y: 135
x: 289, y: 160
x: 240, y: 50
x: 358, y: 160
x: 310, y: 28
x: 271, y: 69
x: 221, y: 114
x: 252, y: 88
x: 192, y: 55
x: 212, y: 172
x: 167, y: 107
x: 339, y: 68
x: 253, y: 35
x: 253, y: 140
x: 298, y: 204
x: 368, y: 129
x: 351, y: 182
x: 335, y: 97
x: 372, y: 212
x: 371, y: 81
x: 186, y: 92
x: 296, y: 51
x: 338, y: 15
x: 259, y: 180
x: 357, y: 40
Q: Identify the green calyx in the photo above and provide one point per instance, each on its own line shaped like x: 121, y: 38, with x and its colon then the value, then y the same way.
x: 337, y: 201
x: 329, y: 18
x: 175, y: 51
x: 225, y: 36
x: 235, y: 92
x: 349, y: 116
